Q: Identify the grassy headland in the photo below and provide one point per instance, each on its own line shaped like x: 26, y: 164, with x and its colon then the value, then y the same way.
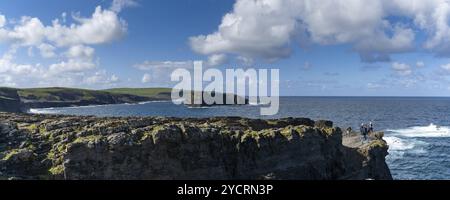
x: 154, y: 93
x: 16, y: 100
x: 21, y: 100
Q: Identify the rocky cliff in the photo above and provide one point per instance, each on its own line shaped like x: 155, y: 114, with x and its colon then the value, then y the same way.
x: 10, y: 100
x: 69, y: 147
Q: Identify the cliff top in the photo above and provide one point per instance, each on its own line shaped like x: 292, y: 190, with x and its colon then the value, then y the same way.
x: 76, y: 147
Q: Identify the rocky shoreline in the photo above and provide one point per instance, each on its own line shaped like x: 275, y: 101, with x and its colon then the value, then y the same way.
x: 74, y: 147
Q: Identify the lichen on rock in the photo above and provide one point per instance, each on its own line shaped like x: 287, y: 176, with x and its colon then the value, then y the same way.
x: 75, y: 147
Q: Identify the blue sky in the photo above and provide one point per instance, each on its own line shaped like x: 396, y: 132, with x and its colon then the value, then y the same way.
x: 397, y: 48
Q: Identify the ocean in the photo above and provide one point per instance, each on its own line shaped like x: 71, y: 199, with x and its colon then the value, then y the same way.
x: 417, y: 129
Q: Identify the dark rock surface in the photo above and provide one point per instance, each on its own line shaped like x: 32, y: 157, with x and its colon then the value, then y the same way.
x: 71, y: 147
x: 10, y: 100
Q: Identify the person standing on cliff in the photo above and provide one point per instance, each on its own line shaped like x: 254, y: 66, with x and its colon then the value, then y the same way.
x: 349, y: 130
x: 363, y: 130
x: 370, y: 127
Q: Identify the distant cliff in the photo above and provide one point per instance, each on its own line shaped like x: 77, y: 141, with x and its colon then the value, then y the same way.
x: 70, y: 147
x: 9, y: 100
x: 21, y: 100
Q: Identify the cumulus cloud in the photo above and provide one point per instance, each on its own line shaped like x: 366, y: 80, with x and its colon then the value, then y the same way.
x: 29, y: 31
x: 80, y: 52
x: 102, y: 27
x: 47, y: 50
x: 70, y: 47
x: 269, y: 29
x: 9, y: 67
x: 71, y: 65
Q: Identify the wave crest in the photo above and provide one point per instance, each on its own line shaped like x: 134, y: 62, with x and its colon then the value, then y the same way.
x: 431, y: 130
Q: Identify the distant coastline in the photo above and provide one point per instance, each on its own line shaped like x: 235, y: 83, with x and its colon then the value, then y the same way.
x: 22, y: 100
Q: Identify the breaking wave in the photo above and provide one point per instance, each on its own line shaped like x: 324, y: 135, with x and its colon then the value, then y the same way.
x: 43, y: 111
x: 431, y: 130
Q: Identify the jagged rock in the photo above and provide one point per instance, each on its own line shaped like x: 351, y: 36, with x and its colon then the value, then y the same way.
x: 324, y: 124
x: 68, y: 147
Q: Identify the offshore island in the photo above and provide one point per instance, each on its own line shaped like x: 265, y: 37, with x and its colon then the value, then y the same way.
x: 64, y: 147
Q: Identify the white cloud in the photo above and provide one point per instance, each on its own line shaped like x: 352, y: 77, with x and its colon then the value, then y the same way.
x: 151, y: 65
x: 159, y: 71
x: 114, y: 78
x: 420, y: 64
x: 2, y: 20
x: 71, y: 65
x: 446, y: 67
x: 70, y: 47
x: 30, y: 31
x: 217, y: 59
x: 9, y: 67
x: 402, y: 69
x: 102, y: 27
x: 146, y: 78
x: 374, y: 86
x: 268, y: 29
x: 7, y: 80
x: 47, y: 50
x: 118, y: 5
x: 101, y: 78
x: 64, y: 17
x: 80, y: 52
x: 244, y: 60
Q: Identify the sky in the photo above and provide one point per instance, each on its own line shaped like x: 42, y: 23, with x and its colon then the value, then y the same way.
x: 321, y: 47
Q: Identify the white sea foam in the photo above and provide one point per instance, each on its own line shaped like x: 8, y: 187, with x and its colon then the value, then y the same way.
x: 42, y: 111
x: 423, y: 131
x: 399, y: 146
x: 258, y: 104
x: 159, y: 101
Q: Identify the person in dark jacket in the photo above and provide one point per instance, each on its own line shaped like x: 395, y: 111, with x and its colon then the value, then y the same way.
x: 363, y: 129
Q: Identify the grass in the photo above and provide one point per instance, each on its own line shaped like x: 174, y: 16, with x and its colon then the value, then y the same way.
x: 59, y: 94
x: 75, y: 94
x: 145, y: 92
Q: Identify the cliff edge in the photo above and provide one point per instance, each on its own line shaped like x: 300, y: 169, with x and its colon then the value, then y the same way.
x: 73, y: 147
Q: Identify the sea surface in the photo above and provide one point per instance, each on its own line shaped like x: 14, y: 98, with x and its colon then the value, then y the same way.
x: 416, y: 129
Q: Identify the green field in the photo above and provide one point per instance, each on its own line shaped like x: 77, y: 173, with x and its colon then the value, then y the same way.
x: 59, y: 94
x: 75, y: 94
x: 145, y: 92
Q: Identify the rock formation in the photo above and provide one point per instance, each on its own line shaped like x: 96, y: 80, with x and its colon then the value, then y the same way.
x: 73, y: 147
x: 10, y: 100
